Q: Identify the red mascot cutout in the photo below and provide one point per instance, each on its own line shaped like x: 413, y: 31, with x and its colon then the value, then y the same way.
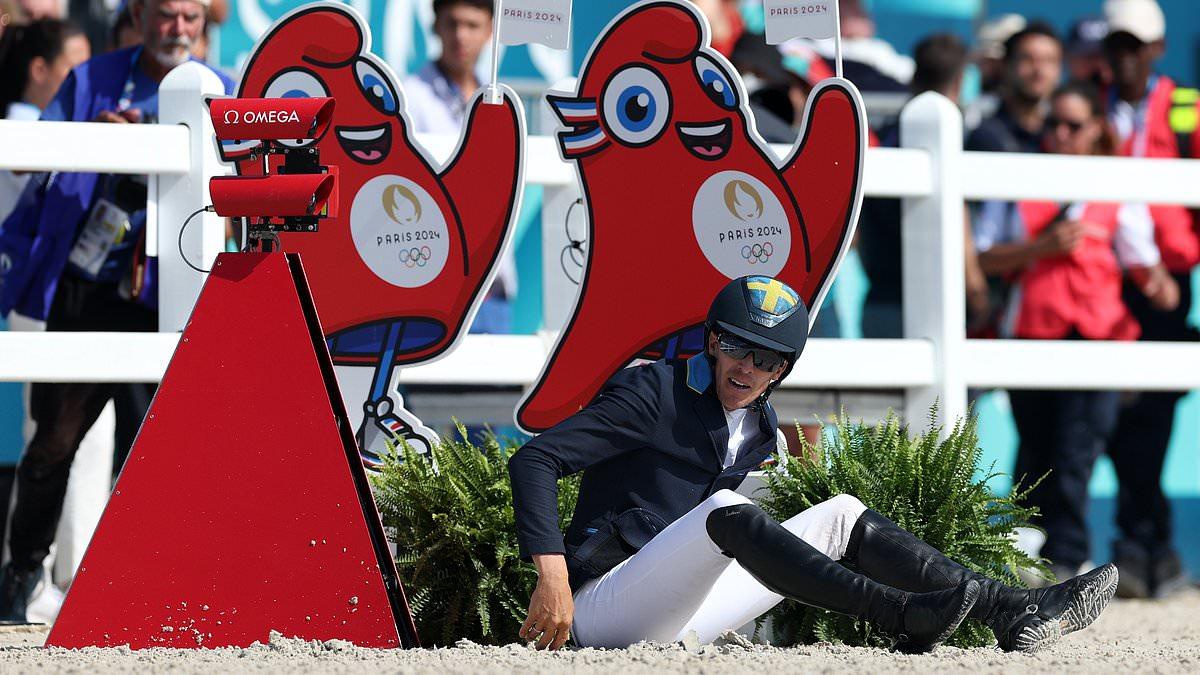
x: 683, y: 195
x: 398, y: 275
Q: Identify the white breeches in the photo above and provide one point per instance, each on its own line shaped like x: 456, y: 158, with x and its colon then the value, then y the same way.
x: 681, y: 581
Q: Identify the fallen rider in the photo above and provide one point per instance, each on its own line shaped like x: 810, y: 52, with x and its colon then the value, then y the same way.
x: 661, y: 545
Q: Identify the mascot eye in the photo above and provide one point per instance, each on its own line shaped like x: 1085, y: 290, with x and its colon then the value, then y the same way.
x: 716, y: 83
x: 296, y: 84
x: 376, y: 87
x: 637, y: 105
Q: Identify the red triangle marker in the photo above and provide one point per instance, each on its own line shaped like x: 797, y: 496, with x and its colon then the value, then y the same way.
x: 243, y: 507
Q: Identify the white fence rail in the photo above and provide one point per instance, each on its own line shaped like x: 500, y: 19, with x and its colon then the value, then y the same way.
x: 931, y: 173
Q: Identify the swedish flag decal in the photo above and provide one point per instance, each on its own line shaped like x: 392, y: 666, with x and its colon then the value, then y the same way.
x: 771, y: 300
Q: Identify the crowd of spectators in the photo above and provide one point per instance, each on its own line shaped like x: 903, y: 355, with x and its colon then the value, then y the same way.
x: 1094, y: 271
x: 1089, y: 271
x: 1033, y: 270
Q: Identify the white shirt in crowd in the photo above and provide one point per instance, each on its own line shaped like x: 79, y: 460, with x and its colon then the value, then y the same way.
x: 1129, y: 121
x: 435, y: 106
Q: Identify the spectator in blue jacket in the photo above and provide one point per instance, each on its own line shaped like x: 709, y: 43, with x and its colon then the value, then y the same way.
x: 72, y: 254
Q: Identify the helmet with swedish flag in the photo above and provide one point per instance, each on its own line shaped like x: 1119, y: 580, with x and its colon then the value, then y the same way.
x: 764, y: 311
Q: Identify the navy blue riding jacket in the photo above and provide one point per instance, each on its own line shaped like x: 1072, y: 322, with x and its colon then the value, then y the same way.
x: 652, y: 443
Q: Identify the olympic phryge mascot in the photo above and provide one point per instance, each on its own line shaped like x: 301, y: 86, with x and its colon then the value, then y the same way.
x: 682, y: 195
x: 398, y: 275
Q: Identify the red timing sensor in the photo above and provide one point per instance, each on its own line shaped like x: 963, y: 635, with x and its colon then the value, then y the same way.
x: 291, y: 195
x: 270, y: 119
x: 275, y: 196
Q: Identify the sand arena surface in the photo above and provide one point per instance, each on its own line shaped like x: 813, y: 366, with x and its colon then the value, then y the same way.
x: 1130, y: 636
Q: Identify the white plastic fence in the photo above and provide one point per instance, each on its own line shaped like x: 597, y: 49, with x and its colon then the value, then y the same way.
x: 931, y: 173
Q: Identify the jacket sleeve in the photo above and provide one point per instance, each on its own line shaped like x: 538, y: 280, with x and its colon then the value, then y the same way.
x: 17, y: 234
x: 1176, y: 237
x: 616, y: 422
x: 62, y: 107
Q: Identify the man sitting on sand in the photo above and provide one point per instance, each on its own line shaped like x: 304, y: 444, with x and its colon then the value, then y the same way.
x: 660, y: 545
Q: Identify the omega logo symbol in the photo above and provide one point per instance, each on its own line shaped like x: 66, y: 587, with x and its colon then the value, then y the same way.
x: 261, y: 117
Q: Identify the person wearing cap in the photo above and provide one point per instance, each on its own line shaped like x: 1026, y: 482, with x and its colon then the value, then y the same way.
x: 989, y: 49
x: 1153, y: 118
x: 1085, y: 53
x: 72, y: 255
x: 869, y: 61
x: 767, y: 87
x: 660, y: 545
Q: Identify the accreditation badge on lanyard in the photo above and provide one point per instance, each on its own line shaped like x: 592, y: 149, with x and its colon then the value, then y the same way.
x: 107, y: 224
x: 105, y: 227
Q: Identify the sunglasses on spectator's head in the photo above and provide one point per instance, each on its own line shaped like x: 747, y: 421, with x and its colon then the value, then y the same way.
x: 764, y: 359
x: 1053, y: 123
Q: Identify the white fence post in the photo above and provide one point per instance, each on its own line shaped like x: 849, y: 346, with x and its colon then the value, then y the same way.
x: 173, y: 197
x: 932, y: 254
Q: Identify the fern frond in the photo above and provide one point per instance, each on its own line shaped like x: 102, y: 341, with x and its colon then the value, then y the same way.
x: 929, y: 485
x: 453, y: 520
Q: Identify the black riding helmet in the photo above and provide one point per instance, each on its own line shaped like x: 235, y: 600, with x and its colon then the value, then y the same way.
x: 763, y: 311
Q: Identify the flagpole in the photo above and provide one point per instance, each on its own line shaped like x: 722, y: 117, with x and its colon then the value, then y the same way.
x: 494, y: 96
x: 837, y: 37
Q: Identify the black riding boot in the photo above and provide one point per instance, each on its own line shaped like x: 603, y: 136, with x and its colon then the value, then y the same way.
x: 791, y: 567
x: 1022, y: 619
x: 16, y: 588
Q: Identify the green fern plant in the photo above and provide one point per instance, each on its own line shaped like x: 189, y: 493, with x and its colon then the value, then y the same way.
x: 923, y: 483
x: 453, y: 522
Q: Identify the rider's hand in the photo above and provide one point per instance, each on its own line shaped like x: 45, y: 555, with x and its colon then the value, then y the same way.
x: 551, y: 608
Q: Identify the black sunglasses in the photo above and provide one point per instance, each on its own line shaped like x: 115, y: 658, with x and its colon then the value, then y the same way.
x: 1053, y: 123
x: 764, y: 359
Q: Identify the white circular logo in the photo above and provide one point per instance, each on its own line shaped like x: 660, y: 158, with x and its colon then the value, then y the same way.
x: 399, y: 231
x: 740, y: 226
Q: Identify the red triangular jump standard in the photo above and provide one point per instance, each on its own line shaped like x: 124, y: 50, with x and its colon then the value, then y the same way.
x: 243, y: 507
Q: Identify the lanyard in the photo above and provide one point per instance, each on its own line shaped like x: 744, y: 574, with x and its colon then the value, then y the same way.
x: 1141, y: 135
x: 126, y: 99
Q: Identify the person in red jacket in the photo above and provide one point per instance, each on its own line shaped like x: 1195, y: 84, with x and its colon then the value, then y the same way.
x: 1157, y: 119
x: 1068, y: 284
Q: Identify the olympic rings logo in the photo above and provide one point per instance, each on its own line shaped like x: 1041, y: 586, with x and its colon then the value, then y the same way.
x: 415, y: 257
x: 758, y: 253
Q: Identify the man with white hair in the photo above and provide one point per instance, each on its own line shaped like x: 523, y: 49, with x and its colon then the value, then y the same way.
x: 72, y: 255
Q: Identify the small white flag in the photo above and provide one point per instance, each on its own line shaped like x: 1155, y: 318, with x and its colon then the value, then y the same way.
x: 546, y: 22
x: 787, y: 19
